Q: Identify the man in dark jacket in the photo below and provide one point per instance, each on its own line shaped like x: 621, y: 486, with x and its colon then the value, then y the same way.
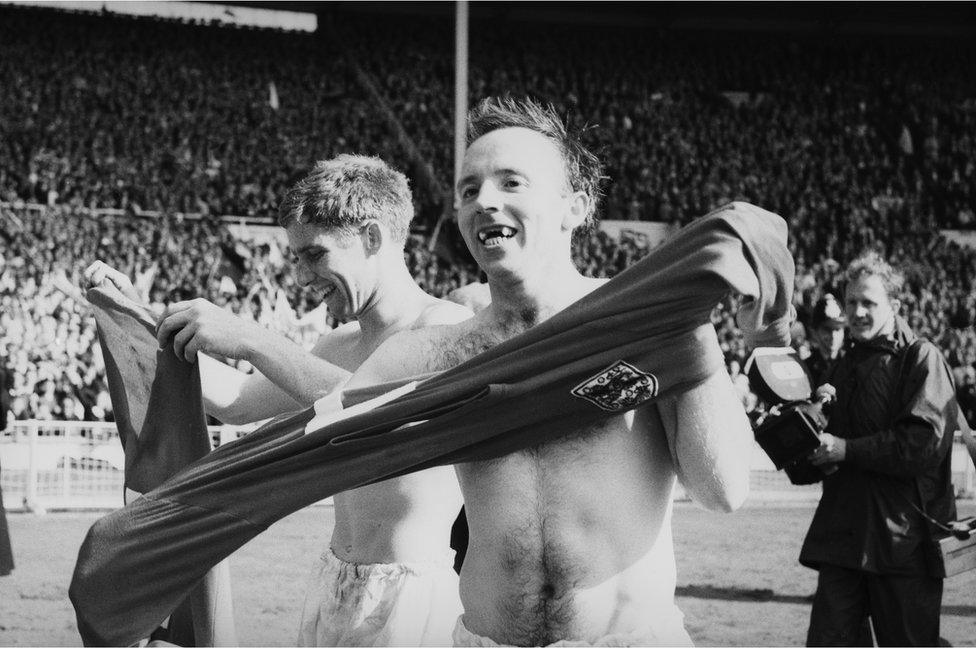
x: 890, y: 434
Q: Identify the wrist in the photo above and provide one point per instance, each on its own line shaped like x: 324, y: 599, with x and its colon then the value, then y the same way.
x: 253, y: 343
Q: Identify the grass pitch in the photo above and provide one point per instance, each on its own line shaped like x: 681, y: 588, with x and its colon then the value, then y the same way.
x: 739, y: 583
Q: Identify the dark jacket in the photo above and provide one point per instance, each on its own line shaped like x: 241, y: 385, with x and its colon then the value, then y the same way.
x: 819, y: 366
x: 898, y: 412
x: 5, y: 377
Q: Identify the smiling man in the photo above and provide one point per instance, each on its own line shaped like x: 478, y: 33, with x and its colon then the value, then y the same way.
x: 387, y: 576
x: 890, y: 435
x: 571, y: 540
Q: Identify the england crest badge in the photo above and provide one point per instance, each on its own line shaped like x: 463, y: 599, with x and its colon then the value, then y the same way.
x: 618, y: 388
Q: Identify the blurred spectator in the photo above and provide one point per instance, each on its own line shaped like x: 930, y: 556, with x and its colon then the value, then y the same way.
x: 827, y: 336
x: 859, y: 143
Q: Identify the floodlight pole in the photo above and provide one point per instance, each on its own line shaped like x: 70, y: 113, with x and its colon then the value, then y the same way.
x: 460, y: 108
x: 460, y: 84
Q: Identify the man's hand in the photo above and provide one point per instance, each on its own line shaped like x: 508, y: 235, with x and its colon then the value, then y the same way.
x: 101, y: 274
x: 826, y: 393
x: 749, y: 320
x: 201, y: 326
x: 831, y: 450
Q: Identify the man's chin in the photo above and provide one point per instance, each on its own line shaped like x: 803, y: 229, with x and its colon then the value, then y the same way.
x: 861, y: 337
x: 494, y: 260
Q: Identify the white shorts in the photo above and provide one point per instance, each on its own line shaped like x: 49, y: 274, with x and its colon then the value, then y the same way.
x: 666, y: 629
x: 381, y: 604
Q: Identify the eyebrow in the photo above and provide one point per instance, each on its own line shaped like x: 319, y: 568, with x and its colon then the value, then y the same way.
x: 497, y: 172
x: 307, y: 248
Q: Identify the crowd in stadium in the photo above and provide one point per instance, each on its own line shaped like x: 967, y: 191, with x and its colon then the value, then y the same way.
x: 856, y: 143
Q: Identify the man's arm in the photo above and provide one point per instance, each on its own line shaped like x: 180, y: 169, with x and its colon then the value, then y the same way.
x: 711, y: 442
x: 235, y: 397
x: 200, y: 326
x: 913, y: 444
x: 288, y: 378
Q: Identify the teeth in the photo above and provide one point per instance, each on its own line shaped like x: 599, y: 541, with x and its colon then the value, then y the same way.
x: 495, y: 233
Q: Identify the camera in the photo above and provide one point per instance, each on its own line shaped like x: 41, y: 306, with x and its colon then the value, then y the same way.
x: 790, y: 428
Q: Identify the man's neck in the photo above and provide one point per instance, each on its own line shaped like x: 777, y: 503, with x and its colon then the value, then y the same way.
x: 396, y: 303
x: 533, y: 297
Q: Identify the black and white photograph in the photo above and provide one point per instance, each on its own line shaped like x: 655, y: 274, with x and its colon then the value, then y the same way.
x: 469, y: 323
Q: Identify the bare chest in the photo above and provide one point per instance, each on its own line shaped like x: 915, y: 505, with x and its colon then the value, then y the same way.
x: 554, y: 522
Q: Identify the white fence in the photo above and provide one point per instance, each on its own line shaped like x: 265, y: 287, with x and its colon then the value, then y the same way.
x: 79, y: 465
x: 69, y: 464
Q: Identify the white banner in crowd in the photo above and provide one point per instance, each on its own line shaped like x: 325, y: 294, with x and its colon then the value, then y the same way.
x: 965, y: 238
x: 650, y: 233
x: 259, y: 234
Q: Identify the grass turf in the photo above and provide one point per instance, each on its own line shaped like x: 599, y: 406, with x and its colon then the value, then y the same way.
x: 739, y: 583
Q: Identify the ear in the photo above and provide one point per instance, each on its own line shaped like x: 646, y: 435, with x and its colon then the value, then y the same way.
x: 578, y: 204
x: 373, y: 236
x: 895, y: 305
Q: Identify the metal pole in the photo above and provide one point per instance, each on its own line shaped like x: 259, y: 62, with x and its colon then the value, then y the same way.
x: 460, y: 107
x: 460, y: 85
x: 30, y: 500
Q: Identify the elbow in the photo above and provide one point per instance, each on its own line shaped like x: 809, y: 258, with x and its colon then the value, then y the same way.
x: 233, y: 414
x: 722, y: 495
x: 729, y: 499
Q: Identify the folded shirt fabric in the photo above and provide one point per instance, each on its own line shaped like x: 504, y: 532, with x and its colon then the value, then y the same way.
x: 643, y: 335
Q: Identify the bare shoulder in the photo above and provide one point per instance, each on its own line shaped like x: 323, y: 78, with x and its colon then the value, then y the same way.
x: 476, y: 296
x: 409, y: 352
x: 442, y: 312
x: 341, y: 337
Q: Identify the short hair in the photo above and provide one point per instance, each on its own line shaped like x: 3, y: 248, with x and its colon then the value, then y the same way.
x: 872, y: 263
x: 584, y: 171
x: 348, y: 190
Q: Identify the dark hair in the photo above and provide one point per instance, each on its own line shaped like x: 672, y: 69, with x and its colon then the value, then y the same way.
x: 584, y: 171
x: 348, y: 190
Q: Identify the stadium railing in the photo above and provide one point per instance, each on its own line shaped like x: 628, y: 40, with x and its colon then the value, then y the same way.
x: 47, y: 465
x: 77, y: 465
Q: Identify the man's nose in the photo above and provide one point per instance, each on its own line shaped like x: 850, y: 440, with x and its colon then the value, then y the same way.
x: 488, y: 198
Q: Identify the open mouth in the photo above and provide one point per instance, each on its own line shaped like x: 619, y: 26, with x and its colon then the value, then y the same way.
x: 495, y: 235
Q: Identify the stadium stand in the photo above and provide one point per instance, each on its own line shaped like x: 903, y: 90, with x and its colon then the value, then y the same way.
x: 858, y: 142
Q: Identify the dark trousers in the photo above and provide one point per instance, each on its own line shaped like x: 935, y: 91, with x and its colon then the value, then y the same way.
x: 904, y: 611
x: 459, y: 540
x: 6, y: 554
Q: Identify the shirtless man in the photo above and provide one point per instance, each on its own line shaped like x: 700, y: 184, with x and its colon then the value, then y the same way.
x: 570, y: 541
x: 387, y: 577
